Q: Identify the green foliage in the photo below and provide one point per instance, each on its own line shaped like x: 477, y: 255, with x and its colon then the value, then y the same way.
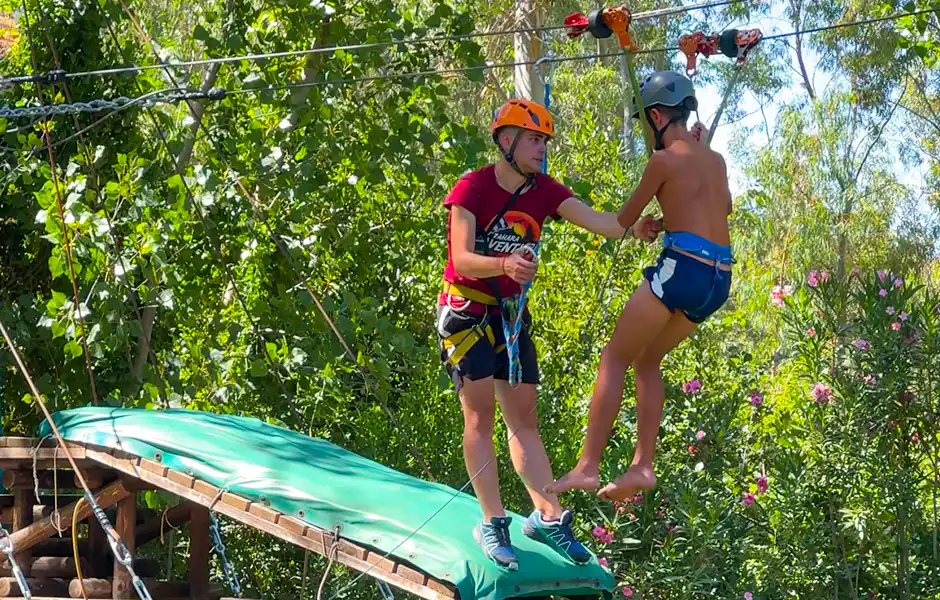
x: 781, y: 497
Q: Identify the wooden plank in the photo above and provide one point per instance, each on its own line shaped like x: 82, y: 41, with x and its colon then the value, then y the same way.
x: 410, y: 574
x: 287, y: 528
x: 55, y: 587
x: 152, y: 466
x: 236, y: 501
x: 262, y: 511
x: 181, y: 478
x: 22, y: 518
x: 199, y: 545
x: 121, y: 587
x: 37, y: 532
x: 18, y: 442
x: 380, y: 562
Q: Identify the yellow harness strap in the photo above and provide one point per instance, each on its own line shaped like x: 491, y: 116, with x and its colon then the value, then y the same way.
x: 469, y: 293
x: 462, y: 341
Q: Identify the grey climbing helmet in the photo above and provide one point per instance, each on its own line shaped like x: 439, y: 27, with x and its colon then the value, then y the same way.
x: 666, y: 88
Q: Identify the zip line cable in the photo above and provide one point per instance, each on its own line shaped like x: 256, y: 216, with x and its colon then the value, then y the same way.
x: 178, y: 94
x: 57, y: 75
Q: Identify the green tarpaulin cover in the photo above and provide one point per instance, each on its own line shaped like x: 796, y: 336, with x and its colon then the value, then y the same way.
x: 325, y: 485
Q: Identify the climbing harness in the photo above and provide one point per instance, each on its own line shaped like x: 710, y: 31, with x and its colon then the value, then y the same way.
x: 733, y: 44
x: 9, y: 550
x: 219, y: 548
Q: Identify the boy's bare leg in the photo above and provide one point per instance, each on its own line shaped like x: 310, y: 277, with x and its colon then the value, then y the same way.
x: 478, y: 400
x: 650, y: 397
x: 525, y: 447
x: 642, y: 319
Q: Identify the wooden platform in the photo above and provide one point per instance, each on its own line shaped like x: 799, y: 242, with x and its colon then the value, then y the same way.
x: 116, y: 477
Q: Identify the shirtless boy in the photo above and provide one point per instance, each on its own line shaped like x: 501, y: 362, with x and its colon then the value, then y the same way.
x: 690, y: 281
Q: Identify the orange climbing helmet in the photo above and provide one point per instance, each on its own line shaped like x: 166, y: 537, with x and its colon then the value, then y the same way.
x: 525, y: 114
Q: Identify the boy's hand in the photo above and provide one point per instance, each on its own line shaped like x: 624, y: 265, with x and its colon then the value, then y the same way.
x: 518, y: 268
x: 697, y: 130
x: 647, y: 228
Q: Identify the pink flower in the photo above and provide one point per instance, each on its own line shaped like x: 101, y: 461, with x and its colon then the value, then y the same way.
x: 882, y: 292
x: 638, y: 499
x: 824, y: 275
x: 692, y: 387
x: 700, y: 435
x: 891, y: 310
x: 904, y: 316
x: 756, y: 399
x: 762, y: 484
x: 599, y: 532
x: 813, y: 279
x: 862, y: 344
x: 778, y: 293
x: 869, y: 380
x: 896, y: 326
x: 882, y: 274
x: 811, y: 332
x: 603, y: 562
x: 748, y: 499
x: 897, y: 284
x: 659, y: 514
x: 628, y: 591
x: 915, y: 438
x: 748, y: 596
x: 693, y: 450
x: 821, y: 393
x: 854, y: 271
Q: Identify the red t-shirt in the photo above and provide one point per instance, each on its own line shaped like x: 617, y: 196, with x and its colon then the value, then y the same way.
x: 479, y: 193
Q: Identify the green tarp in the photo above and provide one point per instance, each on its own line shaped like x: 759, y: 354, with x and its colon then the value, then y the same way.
x: 325, y: 485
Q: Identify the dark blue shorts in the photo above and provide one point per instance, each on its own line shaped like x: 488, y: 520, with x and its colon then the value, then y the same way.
x: 683, y: 283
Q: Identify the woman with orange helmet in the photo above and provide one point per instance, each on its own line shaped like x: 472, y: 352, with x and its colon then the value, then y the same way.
x: 496, y: 217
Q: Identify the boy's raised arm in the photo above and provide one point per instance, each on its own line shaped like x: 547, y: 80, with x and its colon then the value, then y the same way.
x: 576, y: 211
x: 652, y: 180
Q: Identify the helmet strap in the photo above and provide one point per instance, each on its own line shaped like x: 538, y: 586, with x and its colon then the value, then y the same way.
x: 659, y: 133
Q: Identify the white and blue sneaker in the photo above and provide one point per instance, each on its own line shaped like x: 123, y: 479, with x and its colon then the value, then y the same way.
x: 557, y: 535
x: 493, y: 537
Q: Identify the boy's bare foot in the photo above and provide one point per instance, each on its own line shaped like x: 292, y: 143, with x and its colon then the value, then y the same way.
x: 629, y: 484
x: 579, y: 478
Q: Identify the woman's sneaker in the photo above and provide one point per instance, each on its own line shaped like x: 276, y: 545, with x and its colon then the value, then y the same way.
x: 493, y: 537
x: 558, y: 535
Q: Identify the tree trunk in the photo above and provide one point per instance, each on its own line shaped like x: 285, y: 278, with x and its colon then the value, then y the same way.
x: 528, y: 48
x: 149, y: 313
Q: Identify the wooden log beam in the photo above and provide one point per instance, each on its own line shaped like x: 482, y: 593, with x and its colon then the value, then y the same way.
x: 40, y: 512
x: 199, y: 544
x: 94, y: 588
x: 122, y: 587
x: 22, y: 518
x: 104, y: 588
x: 46, y: 457
x: 48, y: 566
x: 45, y: 587
x: 60, y: 546
x: 64, y: 479
x: 25, y: 539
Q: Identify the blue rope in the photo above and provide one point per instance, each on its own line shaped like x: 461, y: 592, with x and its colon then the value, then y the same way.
x: 514, y: 308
